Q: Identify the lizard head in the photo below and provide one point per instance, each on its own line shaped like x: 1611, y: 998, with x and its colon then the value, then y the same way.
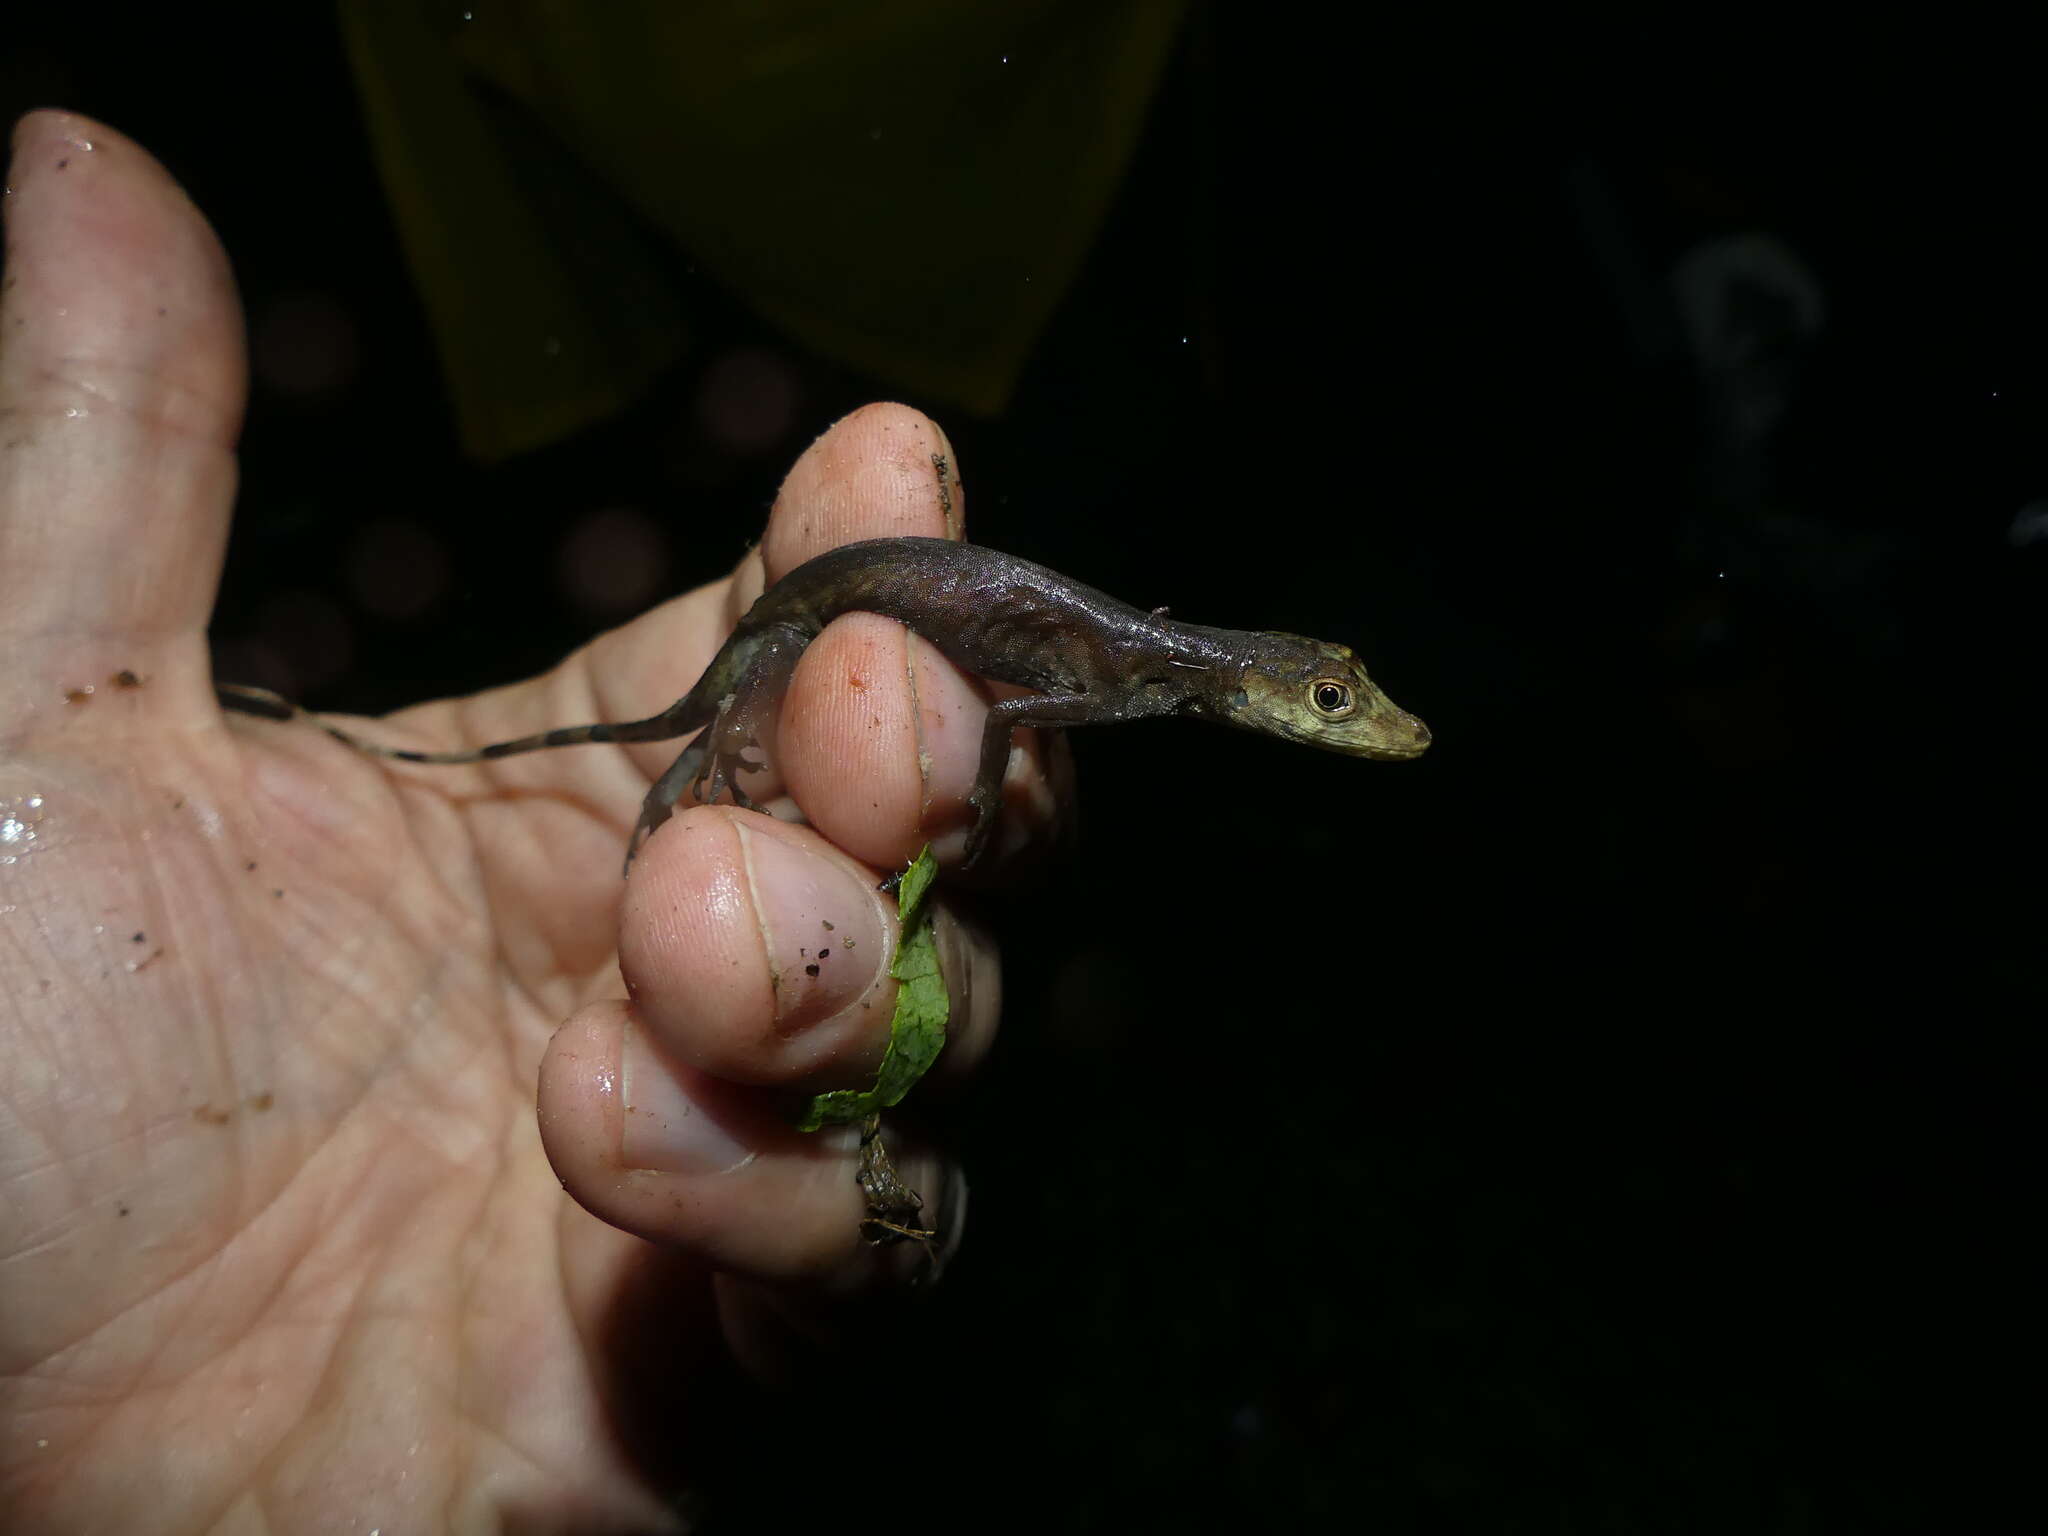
x: 1318, y: 694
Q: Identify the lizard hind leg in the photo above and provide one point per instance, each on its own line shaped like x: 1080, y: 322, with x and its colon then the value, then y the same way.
x: 665, y: 792
x: 711, y: 765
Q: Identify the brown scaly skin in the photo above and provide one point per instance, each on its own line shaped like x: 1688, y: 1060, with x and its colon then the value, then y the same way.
x: 1088, y: 657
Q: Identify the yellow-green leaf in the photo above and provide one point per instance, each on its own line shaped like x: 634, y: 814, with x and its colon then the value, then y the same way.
x: 917, y: 1031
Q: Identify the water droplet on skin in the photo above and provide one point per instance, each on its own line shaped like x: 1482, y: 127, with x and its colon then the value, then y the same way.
x: 18, y: 825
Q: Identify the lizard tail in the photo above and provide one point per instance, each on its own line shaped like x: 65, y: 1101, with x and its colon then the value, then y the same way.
x: 678, y: 719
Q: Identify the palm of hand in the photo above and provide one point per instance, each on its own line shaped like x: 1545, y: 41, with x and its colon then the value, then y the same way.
x: 320, y: 1161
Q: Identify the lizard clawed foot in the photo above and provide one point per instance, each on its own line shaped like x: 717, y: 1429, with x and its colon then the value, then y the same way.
x: 726, y: 761
x: 721, y: 776
x: 653, y: 812
x: 701, y: 773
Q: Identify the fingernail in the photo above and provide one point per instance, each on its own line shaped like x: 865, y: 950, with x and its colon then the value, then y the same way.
x: 952, y: 1212
x: 944, y: 1188
x: 947, y: 468
x: 945, y: 1194
x: 666, y: 1131
x: 820, y: 927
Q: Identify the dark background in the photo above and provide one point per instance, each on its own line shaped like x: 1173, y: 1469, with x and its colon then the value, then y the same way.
x: 1608, y: 1124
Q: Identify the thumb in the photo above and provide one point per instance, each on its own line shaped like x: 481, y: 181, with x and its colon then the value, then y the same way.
x: 121, y: 389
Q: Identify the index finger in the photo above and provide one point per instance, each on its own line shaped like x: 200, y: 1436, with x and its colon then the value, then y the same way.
x: 880, y: 735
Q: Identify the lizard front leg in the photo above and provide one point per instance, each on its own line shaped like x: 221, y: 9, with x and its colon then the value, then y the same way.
x: 1050, y: 710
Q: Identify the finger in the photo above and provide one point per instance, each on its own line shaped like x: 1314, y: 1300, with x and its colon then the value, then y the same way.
x: 755, y: 953
x: 885, y: 471
x: 680, y: 1158
x: 880, y: 735
x: 121, y: 388
x: 760, y: 952
x: 685, y: 1158
x: 880, y: 742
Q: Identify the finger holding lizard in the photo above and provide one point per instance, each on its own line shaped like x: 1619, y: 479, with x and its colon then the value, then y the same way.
x: 756, y: 952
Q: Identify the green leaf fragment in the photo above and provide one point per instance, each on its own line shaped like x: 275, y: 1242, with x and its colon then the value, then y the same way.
x: 917, y: 1031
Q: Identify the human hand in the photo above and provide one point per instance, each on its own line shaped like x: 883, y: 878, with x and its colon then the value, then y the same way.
x: 281, y: 1238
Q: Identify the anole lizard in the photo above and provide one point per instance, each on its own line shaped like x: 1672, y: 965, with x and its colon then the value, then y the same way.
x: 1087, y: 657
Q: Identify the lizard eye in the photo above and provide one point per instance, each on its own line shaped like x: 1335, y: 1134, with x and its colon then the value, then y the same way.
x: 1332, y: 699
